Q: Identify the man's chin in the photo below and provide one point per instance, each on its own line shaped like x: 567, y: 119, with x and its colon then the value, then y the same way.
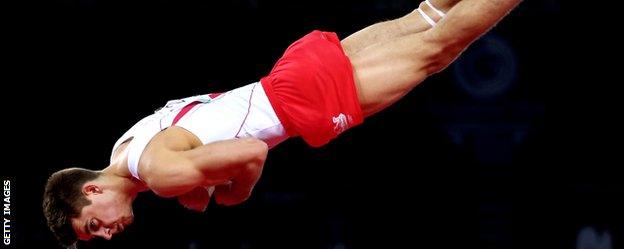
x: 128, y: 221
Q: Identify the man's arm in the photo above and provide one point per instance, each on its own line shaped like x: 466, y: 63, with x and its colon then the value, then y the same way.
x: 239, y: 161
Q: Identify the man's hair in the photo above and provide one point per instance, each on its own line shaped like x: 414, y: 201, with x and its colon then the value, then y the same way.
x: 63, y: 200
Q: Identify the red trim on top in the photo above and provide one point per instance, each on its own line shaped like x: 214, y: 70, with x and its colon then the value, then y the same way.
x: 184, y: 110
x: 214, y: 95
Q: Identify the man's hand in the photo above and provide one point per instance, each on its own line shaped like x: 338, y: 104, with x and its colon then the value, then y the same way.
x: 197, y: 199
x: 239, y: 188
x: 227, y: 194
x: 234, y: 166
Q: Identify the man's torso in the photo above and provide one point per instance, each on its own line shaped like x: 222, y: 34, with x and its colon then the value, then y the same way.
x: 242, y: 112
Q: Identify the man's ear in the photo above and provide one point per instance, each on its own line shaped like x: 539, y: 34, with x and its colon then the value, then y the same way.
x: 90, y: 189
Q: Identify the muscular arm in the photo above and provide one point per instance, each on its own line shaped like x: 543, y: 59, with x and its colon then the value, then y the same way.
x: 172, y: 173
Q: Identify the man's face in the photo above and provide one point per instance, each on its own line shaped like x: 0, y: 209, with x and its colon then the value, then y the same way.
x: 107, y: 215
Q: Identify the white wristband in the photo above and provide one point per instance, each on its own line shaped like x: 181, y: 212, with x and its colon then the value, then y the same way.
x: 437, y: 11
x: 426, y: 17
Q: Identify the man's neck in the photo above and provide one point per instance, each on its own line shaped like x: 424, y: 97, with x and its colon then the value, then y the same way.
x: 119, y: 169
x: 122, y: 180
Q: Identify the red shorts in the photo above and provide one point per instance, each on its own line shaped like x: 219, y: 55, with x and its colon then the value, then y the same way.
x: 312, y: 91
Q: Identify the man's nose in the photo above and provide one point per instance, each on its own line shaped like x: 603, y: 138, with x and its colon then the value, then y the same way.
x: 105, y: 234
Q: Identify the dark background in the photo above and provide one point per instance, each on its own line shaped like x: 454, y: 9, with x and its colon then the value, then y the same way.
x: 515, y: 145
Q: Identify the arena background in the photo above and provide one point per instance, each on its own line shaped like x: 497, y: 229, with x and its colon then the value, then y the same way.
x: 515, y: 145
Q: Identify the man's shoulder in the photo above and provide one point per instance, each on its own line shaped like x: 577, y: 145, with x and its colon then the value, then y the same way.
x: 165, y: 147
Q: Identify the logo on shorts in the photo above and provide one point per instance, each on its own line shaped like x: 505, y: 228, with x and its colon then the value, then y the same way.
x: 341, y: 122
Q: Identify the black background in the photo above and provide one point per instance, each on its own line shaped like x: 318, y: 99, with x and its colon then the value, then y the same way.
x: 456, y: 163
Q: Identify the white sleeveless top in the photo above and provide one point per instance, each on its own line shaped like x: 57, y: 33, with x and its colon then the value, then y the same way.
x: 242, y: 112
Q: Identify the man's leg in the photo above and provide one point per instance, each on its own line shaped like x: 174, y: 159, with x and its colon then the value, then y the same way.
x: 411, y: 23
x: 386, y: 71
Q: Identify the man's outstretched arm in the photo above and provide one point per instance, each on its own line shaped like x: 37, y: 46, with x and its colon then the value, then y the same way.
x: 239, y: 161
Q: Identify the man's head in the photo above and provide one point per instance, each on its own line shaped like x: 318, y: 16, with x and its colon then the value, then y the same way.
x: 82, y: 204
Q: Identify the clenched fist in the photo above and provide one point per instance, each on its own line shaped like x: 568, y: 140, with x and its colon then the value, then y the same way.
x: 197, y: 199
